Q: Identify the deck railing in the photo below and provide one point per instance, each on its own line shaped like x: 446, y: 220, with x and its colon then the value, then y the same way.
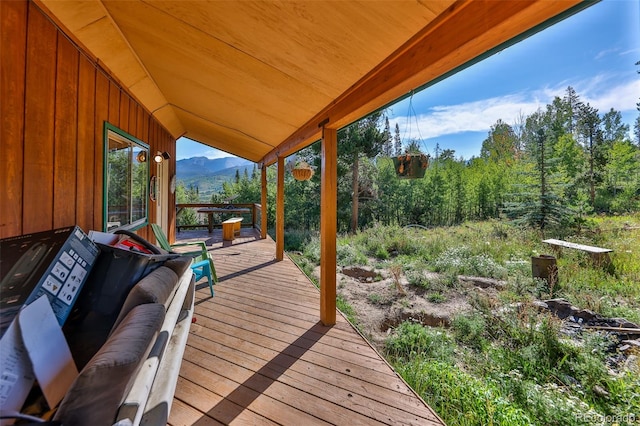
x: 255, y: 214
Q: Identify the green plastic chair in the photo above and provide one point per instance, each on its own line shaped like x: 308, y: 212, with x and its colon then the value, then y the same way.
x: 202, y: 265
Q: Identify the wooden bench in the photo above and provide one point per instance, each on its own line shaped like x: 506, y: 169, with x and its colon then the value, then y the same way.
x: 599, y: 255
x: 231, y: 228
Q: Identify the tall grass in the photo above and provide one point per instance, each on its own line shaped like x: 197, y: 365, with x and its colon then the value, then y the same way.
x: 507, y: 364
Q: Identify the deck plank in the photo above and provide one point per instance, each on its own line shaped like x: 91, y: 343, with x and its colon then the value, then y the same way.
x: 257, y: 353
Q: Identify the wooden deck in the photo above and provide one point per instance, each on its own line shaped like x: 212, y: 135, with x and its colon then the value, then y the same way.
x: 259, y: 355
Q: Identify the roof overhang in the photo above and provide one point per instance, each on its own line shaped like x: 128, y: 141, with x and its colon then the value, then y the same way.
x: 256, y: 78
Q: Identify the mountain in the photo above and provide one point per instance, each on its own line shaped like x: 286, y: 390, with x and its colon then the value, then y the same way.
x: 208, y: 175
x: 206, y: 166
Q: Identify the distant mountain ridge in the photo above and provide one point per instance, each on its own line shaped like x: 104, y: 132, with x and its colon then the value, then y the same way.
x: 208, y: 174
x: 203, y: 166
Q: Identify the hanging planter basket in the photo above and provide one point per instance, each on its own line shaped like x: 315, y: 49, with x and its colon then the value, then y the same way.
x: 302, y: 171
x: 411, y: 166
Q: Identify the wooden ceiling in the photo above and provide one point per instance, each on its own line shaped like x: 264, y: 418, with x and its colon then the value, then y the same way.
x: 255, y: 78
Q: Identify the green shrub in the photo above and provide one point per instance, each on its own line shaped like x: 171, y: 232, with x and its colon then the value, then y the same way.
x: 469, y: 329
x: 411, y: 339
x: 459, y: 398
x: 374, y: 298
x: 436, y: 298
x: 297, y: 239
x: 312, y: 250
x: 461, y: 261
x: 349, y: 255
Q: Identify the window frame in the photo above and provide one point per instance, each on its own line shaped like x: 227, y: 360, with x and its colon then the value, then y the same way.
x: 135, y: 146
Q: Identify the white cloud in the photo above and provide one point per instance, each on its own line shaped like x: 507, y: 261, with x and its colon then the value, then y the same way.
x: 602, y: 92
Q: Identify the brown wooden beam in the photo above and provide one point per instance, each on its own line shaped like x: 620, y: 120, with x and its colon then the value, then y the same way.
x: 263, y: 203
x: 328, y: 226
x: 280, y: 211
x: 467, y: 30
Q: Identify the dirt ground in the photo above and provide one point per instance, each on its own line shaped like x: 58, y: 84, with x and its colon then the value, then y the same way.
x: 376, y: 298
x: 379, y: 305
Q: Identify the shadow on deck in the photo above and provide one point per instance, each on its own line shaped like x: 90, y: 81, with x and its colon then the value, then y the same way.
x: 257, y: 353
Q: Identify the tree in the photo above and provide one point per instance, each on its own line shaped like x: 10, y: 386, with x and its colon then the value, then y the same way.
x: 187, y: 216
x: 589, y: 133
x: 387, y: 144
x: 360, y: 138
x: 397, y: 141
x: 538, y: 204
x: 501, y: 144
x: 572, y: 105
x: 613, y: 129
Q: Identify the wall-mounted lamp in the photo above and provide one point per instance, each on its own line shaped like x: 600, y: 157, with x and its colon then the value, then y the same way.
x: 161, y: 156
x: 141, y: 157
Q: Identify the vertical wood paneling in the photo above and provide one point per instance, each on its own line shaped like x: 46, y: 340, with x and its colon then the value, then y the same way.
x: 53, y: 103
x: 141, y: 122
x: 133, y: 117
x: 65, y: 145
x: 146, y: 119
x: 39, y: 123
x: 13, y: 40
x: 114, y: 104
x: 86, y: 146
x: 102, y: 115
x: 124, y: 113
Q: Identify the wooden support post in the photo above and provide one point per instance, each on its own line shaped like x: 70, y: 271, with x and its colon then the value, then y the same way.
x: 280, y: 211
x: 263, y: 203
x: 328, y: 226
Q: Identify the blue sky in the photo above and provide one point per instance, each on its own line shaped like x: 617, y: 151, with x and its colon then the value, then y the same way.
x: 594, y: 51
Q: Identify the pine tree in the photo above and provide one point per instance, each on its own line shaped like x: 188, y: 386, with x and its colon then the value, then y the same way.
x: 538, y: 204
x: 397, y: 141
x: 572, y: 104
x: 387, y: 146
x: 590, y: 135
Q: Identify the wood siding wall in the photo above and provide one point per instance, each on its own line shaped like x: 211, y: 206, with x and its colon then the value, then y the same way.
x: 54, y: 102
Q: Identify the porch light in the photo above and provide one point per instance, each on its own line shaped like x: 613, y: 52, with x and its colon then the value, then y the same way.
x: 161, y: 156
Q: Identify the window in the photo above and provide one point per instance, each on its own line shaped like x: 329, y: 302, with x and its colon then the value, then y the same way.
x: 126, y: 173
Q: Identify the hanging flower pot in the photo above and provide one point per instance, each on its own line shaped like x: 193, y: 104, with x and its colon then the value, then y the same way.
x: 411, y: 165
x: 302, y: 171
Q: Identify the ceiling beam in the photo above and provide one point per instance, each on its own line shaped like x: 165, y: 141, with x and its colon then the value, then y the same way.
x: 467, y: 30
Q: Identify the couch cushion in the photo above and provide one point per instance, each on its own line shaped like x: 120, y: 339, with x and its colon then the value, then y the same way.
x: 179, y: 265
x: 157, y: 287
x: 99, y: 389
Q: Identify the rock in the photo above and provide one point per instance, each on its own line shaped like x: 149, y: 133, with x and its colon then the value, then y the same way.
x: 361, y: 274
x: 622, y: 322
x: 585, y: 315
x: 542, y: 306
x: 561, y: 308
x: 634, y: 343
x: 631, y: 364
x: 598, y: 390
x: 482, y: 282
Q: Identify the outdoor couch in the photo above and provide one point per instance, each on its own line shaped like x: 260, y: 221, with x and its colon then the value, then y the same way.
x: 129, y: 361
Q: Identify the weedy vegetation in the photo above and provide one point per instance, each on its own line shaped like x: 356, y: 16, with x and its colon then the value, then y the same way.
x: 507, y: 362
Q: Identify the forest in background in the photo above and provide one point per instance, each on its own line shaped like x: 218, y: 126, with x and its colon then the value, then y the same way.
x: 549, y: 170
